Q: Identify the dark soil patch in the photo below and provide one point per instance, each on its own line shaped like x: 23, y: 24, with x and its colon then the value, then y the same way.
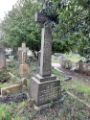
x: 13, y: 98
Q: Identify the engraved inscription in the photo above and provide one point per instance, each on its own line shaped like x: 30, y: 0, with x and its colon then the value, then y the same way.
x: 48, y: 92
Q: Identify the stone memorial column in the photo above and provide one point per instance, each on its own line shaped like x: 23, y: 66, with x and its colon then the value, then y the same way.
x: 46, y: 44
x: 45, y: 87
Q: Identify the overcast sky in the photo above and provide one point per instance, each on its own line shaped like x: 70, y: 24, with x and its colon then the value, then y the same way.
x: 5, y: 6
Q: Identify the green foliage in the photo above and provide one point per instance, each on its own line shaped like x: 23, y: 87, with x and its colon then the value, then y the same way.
x: 71, y: 34
x: 74, y: 58
x: 19, y: 25
x: 83, y: 89
x: 58, y: 74
x: 4, y: 113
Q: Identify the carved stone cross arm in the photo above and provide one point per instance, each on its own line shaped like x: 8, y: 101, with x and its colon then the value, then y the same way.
x: 40, y: 18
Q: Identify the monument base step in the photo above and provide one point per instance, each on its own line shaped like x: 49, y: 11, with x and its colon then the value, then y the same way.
x: 45, y: 106
x: 45, y: 91
x: 45, y: 78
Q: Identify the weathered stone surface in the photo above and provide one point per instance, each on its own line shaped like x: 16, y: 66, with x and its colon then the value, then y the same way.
x: 45, y: 78
x: 45, y: 87
x: 83, y: 67
x: 80, y: 64
x: 12, y: 89
x: 2, y: 58
x: 45, y: 60
x: 45, y: 92
x: 86, y: 68
x: 65, y: 63
x: 40, y: 18
x: 22, y: 56
x: 39, y: 55
x: 24, y: 69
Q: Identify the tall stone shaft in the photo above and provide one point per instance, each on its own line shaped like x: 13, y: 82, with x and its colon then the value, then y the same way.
x: 46, y: 51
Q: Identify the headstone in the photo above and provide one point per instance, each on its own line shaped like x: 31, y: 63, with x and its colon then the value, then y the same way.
x: 45, y: 87
x: 22, y: 55
x: 75, y: 67
x: 62, y: 60
x: 86, y: 68
x: 30, y: 55
x: 8, y: 52
x: 39, y: 55
x: 81, y: 66
x: 2, y: 58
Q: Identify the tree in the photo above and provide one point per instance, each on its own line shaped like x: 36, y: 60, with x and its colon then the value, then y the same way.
x: 71, y: 34
x: 19, y: 25
x: 73, y: 31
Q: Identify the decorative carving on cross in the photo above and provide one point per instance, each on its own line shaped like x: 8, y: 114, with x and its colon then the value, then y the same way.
x: 22, y: 53
x: 48, y: 14
x: 40, y: 18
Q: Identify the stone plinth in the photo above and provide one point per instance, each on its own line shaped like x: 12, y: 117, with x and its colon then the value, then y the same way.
x: 46, y: 91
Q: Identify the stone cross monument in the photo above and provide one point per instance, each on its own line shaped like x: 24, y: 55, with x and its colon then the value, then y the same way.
x: 22, y: 56
x: 45, y: 87
x: 2, y: 58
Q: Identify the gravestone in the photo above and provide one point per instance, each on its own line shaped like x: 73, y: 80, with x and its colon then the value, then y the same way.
x: 22, y: 56
x: 81, y: 66
x: 39, y: 54
x: 2, y: 58
x: 45, y: 87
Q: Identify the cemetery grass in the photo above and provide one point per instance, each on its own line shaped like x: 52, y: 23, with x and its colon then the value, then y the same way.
x: 75, y: 86
x: 70, y: 109
x: 67, y: 109
x: 80, y: 84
